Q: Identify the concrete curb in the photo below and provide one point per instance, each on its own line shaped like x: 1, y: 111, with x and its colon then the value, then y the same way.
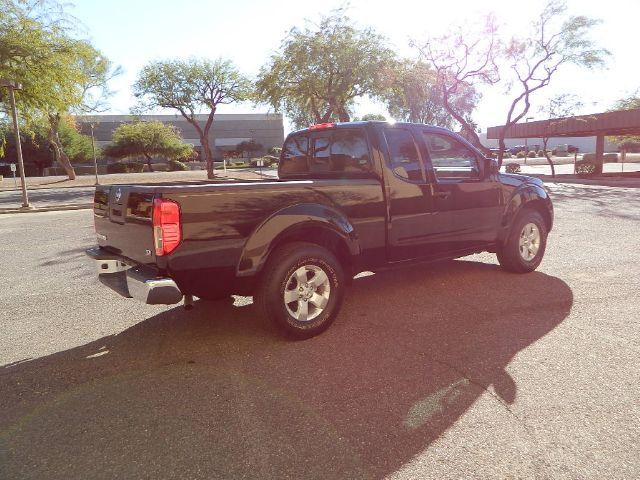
x: 52, y: 208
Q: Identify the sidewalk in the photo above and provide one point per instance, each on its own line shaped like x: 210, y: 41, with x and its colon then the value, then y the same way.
x: 615, y: 174
x: 567, y: 169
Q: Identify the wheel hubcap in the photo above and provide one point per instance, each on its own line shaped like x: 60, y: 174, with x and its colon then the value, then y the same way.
x: 529, y: 241
x: 307, y: 293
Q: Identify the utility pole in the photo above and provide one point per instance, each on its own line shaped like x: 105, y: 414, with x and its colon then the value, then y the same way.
x: 12, y: 86
x: 93, y: 149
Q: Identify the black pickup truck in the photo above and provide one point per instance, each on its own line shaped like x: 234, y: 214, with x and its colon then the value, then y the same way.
x: 350, y: 197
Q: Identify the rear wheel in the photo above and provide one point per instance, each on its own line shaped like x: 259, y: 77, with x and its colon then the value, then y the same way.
x: 301, y: 289
x: 524, y: 248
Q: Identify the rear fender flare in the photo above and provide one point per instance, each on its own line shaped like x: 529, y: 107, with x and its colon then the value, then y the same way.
x: 288, y: 221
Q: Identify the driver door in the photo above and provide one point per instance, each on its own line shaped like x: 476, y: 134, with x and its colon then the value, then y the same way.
x: 465, y: 194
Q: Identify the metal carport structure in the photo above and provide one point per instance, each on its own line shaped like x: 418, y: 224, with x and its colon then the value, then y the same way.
x: 599, y: 125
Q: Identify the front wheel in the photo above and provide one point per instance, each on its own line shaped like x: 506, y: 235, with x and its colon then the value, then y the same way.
x: 301, y: 289
x: 524, y: 248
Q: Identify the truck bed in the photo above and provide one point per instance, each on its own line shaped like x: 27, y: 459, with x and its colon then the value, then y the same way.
x: 219, y: 218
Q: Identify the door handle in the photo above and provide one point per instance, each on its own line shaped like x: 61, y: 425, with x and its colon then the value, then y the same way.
x: 442, y: 195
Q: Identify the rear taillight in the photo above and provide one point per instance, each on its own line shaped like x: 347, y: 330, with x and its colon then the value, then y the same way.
x: 166, y: 226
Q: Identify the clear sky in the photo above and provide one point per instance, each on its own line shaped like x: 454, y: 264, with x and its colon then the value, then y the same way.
x: 133, y: 32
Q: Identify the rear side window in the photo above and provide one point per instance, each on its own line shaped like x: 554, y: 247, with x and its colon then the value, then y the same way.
x: 403, y: 154
x: 295, y: 153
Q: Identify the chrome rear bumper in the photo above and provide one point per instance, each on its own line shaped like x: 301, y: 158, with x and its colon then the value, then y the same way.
x: 140, y: 283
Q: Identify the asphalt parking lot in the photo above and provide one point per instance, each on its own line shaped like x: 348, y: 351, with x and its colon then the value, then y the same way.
x: 457, y: 370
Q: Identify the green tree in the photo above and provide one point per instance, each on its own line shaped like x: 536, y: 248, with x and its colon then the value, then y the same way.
x: 372, y: 116
x: 413, y: 94
x: 76, y: 145
x: 148, y: 140
x: 36, y: 147
x: 189, y: 86
x: 249, y: 146
x: 59, y: 73
x: 320, y: 71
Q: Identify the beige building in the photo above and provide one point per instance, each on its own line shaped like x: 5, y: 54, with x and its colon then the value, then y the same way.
x: 227, y: 131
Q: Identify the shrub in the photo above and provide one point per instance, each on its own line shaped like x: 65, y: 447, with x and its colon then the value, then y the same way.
x: 585, y: 167
x: 507, y: 155
x: 520, y: 154
x: 531, y: 154
x: 275, y: 151
x: 176, y: 166
x: 540, y: 153
x: 135, y: 167
x: 117, y: 167
x: 125, y: 167
x: 512, y: 168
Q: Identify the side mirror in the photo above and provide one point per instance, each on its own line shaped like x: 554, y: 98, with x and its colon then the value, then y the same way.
x: 491, y: 166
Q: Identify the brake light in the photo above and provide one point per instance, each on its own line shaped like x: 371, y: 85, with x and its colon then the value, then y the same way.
x: 167, y: 233
x: 321, y: 126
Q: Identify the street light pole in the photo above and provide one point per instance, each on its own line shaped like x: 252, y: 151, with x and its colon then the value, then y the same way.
x: 11, y: 86
x: 93, y: 149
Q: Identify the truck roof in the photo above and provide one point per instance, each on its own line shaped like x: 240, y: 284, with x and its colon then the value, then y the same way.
x: 332, y: 125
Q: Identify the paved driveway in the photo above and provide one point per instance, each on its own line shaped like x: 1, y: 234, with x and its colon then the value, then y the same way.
x: 47, y: 197
x: 455, y: 371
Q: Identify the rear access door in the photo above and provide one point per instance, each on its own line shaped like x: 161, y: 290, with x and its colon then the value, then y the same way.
x: 123, y: 221
x: 415, y: 228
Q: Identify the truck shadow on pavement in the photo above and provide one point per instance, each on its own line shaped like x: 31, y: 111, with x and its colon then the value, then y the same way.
x: 622, y: 203
x: 216, y: 393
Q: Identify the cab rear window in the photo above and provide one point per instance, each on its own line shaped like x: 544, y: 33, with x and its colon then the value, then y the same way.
x: 341, y: 152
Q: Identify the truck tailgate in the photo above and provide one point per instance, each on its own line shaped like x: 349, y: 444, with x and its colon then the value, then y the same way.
x: 123, y: 221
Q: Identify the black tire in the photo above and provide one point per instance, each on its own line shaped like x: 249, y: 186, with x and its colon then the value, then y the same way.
x: 509, y: 254
x: 277, y: 276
